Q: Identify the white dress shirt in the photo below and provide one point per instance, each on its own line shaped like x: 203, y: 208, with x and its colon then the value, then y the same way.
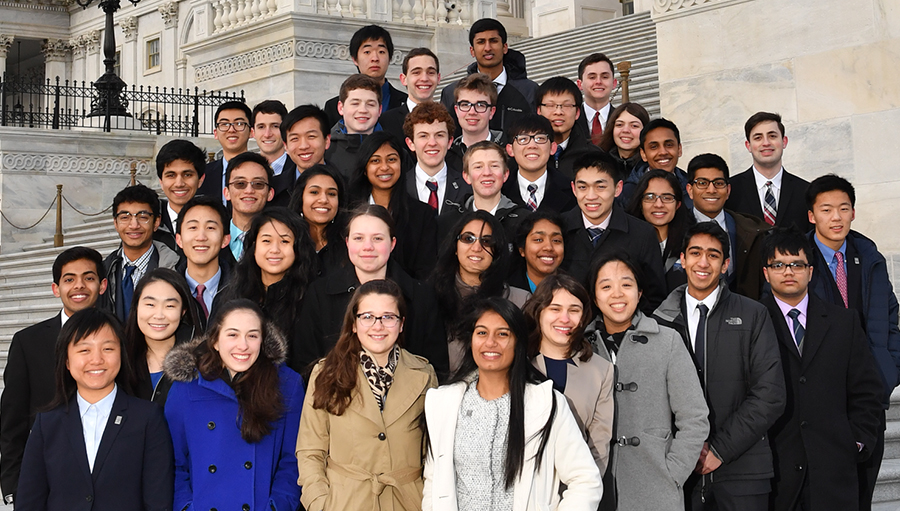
x: 424, y: 193
x: 93, y: 422
x: 602, y: 225
x: 500, y: 81
x: 761, y: 187
x: 590, y: 113
x: 541, y: 183
x: 693, y: 313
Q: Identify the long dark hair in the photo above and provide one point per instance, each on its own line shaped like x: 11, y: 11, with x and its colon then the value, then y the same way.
x: 493, y: 279
x: 606, y: 139
x: 520, y: 373
x: 283, y: 304
x: 361, y: 187
x: 80, y: 325
x: 337, y: 379
x: 542, y: 298
x: 335, y: 228
x: 680, y: 222
x: 257, y: 390
x: 134, y: 338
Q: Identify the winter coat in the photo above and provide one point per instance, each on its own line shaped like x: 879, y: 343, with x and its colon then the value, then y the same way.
x: 366, y: 458
x: 509, y: 214
x: 214, y: 466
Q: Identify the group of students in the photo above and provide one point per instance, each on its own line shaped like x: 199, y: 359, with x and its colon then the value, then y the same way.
x: 274, y: 333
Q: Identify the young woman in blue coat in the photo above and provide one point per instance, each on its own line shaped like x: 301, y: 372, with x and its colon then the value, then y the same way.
x: 234, y: 411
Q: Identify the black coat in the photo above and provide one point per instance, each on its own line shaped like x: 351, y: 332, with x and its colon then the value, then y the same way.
x: 743, y: 381
x: 417, y: 239
x: 166, y: 232
x: 635, y: 237
x: 226, y: 264
x: 792, y: 208
x: 578, y: 145
x: 833, y: 401
x: 326, y: 302
x: 509, y: 214
x: 558, y: 196
x: 213, y: 184
x: 284, y: 182
x: 392, y: 121
x: 342, y: 153
x: 30, y: 383
x: 457, y: 188
x: 398, y: 98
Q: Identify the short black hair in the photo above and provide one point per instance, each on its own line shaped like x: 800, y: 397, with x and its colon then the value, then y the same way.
x: 139, y: 194
x: 617, y: 255
x: 233, y: 105
x: 710, y: 228
x: 302, y: 112
x: 594, y: 58
x: 707, y: 161
x: 595, y: 158
x: 759, y: 117
x: 531, y: 220
x: 660, y: 123
x: 529, y: 124
x: 208, y: 201
x: 76, y: 254
x: 249, y: 157
x: 787, y: 241
x: 180, y: 149
x: 829, y: 183
x: 558, y: 85
x: 420, y: 52
x: 371, y: 33
x: 269, y: 106
x: 485, y: 25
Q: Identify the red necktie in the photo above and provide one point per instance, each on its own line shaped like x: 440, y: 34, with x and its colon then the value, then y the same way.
x: 840, y: 277
x: 596, y: 129
x: 200, y: 289
x: 432, y: 198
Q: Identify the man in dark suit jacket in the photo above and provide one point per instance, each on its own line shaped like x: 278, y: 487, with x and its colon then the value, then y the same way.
x: 29, y: 376
x: 180, y: 167
x: 551, y: 190
x: 766, y: 190
x: 598, y: 226
x: 597, y: 80
x: 833, y: 387
x: 232, y: 130
x: 421, y: 75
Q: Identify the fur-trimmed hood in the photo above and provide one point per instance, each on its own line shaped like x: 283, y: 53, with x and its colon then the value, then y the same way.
x: 180, y: 364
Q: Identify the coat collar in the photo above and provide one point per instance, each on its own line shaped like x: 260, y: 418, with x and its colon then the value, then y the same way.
x: 117, y: 418
x: 410, y: 381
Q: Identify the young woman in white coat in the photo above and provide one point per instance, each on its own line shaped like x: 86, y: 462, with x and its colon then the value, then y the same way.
x: 499, y: 436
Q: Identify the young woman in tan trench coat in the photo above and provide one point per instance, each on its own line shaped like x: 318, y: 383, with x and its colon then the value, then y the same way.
x: 360, y: 442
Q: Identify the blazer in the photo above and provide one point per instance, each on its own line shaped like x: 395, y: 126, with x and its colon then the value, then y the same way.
x: 392, y: 121
x: 341, y: 456
x: 133, y: 468
x: 30, y: 384
x: 791, y: 210
x: 746, y: 234
x: 833, y: 401
x: 166, y: 232
x: 417, y: 239
x: 284, y: 182
x: 567, y: 458
x: 583, y: 123
x: 579, y: 144
x: 212, y: 184
x: 558, y: 196
x: 456, y: 192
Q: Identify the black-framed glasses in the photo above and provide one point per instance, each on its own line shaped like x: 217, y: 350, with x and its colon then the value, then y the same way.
x: 237, y: 125
x: 367, y: 320
x: 468, y: 238
x: 480, y: 106
x: 563, y: 107
x: 143, y: 217
x: 779, y: 267
x: 667, y: 198
x: 539, y: 138
x: 256, y: 185
x: 704, y: 183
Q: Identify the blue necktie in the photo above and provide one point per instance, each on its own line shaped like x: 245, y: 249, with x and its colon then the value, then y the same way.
x: 798, y: 329
x: 595, y: 233
x: 127, y: 288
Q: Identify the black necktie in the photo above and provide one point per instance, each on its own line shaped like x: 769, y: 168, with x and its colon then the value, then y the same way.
x: 127, y: 288
x: 700, y: 338
x: 798, y: 329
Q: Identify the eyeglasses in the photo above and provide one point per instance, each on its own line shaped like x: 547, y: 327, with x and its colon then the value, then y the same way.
x: 238, y: 126
x: 779, y: 267
x: 563, y: 107
x: 468, y: 238
x: 256, y: 185
x: 143, y: 217
x: 539, y: 138
x: 667, y: 198
x: 704, y: 183
x: 367, y: 320
x: 480, y: 107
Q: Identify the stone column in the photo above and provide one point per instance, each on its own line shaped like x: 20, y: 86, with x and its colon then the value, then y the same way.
x: 168, y: 42
x: 79, y: 49
x: 129, y: 52
x: 93, y: 59
x: 56, y: 55
x: 5, y: 42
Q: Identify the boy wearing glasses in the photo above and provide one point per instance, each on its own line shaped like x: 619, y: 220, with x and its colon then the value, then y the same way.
x: 232, y: 121
x: 559, y: 101
x: 248, y: 191
x: 708, y: 187
x: 534, y: 185
x: 475, y: 104
x: 136, y: 215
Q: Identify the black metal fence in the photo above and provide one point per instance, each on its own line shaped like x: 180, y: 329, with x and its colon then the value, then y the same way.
x: 68, y: 105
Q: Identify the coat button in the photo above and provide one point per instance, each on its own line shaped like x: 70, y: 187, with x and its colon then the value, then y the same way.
x: 211, y: 425
x: 798, y: 467
x: 248, y: 465
x: 213, y: 509
x: 381, y: 436
x: 803, y: 379
x: 246, y: 507
x: 803, y: 424
x: 212, y: 469
x: 89, y: 498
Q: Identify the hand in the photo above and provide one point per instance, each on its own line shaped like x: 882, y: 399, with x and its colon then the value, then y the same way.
x: 704, y: 451
x: 709, y: 462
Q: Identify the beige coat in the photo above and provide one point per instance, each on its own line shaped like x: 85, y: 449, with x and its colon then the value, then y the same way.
x: 365, y: 459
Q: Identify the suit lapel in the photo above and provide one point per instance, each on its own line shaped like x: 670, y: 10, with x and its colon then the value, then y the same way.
x: 368, y: 406
x: 854, y: 276
x: 114, y: 424
x: 816, y: 328
x: 781, y: 328
x: 405, y: 390
x: 76, y: 438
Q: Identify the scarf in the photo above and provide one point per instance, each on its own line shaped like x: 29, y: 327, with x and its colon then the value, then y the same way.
x: 379, y: 378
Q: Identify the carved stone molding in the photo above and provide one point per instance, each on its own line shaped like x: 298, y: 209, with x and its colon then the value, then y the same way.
x: 5, y: 42
x: 77, y: 44
x: 677, y: 8
x: 92, y: 42
x: 56, y: 50
x: 25, y: 163
x: 169, y: 13
x: 321, y: 50
x: 39, y: 5
x: 129, y: 27
x: 274, y: 53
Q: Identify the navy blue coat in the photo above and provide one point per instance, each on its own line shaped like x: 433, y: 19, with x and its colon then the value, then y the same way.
x: 132, y: 470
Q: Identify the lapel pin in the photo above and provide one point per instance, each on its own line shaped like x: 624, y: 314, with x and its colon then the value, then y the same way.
x: 118, y: 419
x: 855, y: 260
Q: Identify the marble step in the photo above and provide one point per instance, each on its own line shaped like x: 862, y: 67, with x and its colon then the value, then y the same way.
x: 887, y: 489
x: 894, y: 412
x: 30, y: 297
x: 46, y: 255
x: 892, y: 440
x: 85, y: 236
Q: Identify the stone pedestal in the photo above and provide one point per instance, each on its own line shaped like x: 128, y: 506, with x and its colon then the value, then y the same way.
x: 554, y: 16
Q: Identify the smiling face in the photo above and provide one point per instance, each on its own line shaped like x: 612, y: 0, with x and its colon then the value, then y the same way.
x: 94, y: 362
x: 473, y: 122
x: 430, y: 142
x: 544, y: 249
x: 320, y: 200
x: 558, y: 320
x: 488, y: 49
x: 597, y: 83
x: 202, y: 236
x: 767, y: 145
x: 661, y: 149
x: 179, y: 182
x: 627, y: 134
x: 616, y: 295
x: 135, y: 235
x: 239, y: 342
x: 422, y: 78
x: 267, y: 133
x: 486, y: 172
x: 377, y: 339
x: 369, y: 243
x: 372, y: 59
x: 532, y: 157
x: 248, y: 201
x: 233, y: 142
x: 710, y: 200
x: 659, y: 213
x: 703, y: 263
x: 790, y: 285
x: 360, y: 111
x: 306, y: 144
x: 595, y: 192
x: 159, y: 311
x: 473, y: 258
x: 493, y: 344
x: 562, y: 111
x: 383, y: 169
x: 79, y: 286
x: 832, y: 214
x: 274, y: 251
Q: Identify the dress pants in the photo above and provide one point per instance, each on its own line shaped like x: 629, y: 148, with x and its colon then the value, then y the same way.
x: 726, y: 495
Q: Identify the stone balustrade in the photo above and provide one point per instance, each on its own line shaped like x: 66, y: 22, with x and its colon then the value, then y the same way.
x: 231, y: 14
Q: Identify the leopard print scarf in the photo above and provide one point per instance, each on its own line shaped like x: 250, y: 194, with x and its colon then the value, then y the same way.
x: 379, y: 378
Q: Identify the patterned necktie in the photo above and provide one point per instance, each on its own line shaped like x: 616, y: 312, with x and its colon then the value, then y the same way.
x: 558, y: 153
x: 769, y: 210
x: 128, y: 288
x: 199, y: 296
x: 532, y: 200
x: 798, y: 329
x: 596, y: 129
x: 840, y: 277
x: 700, y: 337
x: 432, y: 198
x: 595, y: 233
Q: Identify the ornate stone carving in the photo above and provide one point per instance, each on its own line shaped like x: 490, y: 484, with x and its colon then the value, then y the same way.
x: 24, y: 163
x: 39, y: 5
x: 129, y: 26
x: 675, y: 8
x: 92, y: 42
x: 55, y: 50
x: 77, y: 44
x: 5, y: 42
x: 274, y: 53
x: 321, y: 50
x: 169, y: 13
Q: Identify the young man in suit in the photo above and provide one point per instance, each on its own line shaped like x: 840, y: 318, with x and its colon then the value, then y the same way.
x: 766, y: 190
x: 660, y: 149
x: 559, y: 101
x: 421, y: 75
x: 853, y: 274
x: 371, y: 49
x: 598, y: 226
x: 535, y: 185
x: 736, y: 354
x: 30, y: 367
x: 834, y: 393
x: 306, y: 138
x: 248, y: 192
x: 232, y: 121
x: 265, y: 128
x: 709, y: 188
x: 597, y: 80
x: 476, y: 98
x: 180, y: 167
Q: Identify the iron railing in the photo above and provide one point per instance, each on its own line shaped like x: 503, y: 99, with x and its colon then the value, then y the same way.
x: 67, y: 105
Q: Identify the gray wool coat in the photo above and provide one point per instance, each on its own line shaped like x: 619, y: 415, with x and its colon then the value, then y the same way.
x: 655, y: 381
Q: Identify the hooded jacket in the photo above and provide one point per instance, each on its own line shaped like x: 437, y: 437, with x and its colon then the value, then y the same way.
x: 509, y: 214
